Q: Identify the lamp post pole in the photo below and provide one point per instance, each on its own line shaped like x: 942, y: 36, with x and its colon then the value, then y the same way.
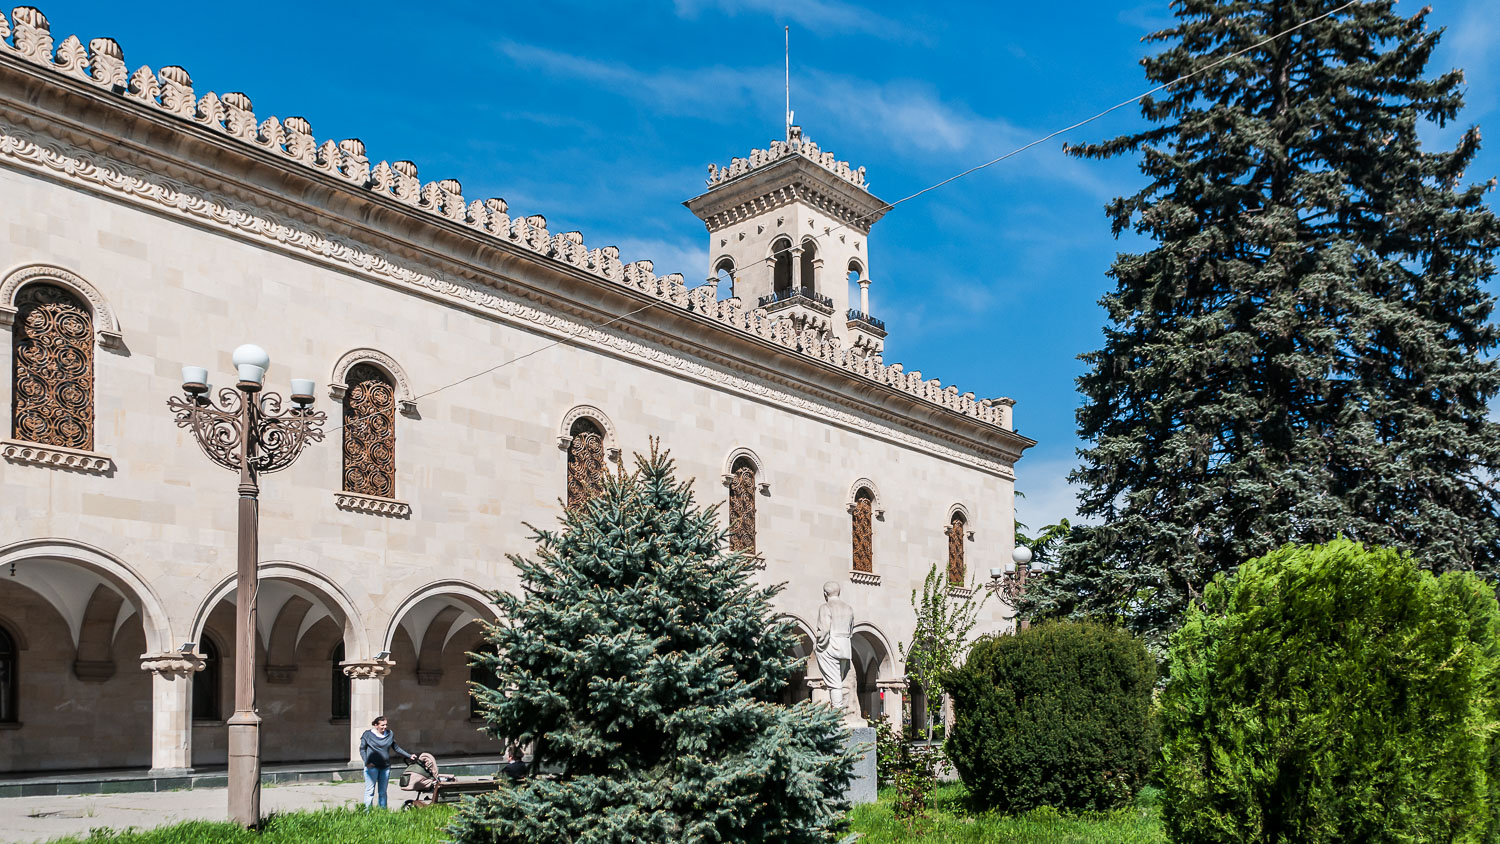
x: 1010, y: 583
x: 249, y: 432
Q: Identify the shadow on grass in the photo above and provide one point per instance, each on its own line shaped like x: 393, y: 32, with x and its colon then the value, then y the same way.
x: 327, y: 826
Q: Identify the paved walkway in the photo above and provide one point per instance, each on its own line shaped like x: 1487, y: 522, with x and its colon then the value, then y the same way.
x: 31, y: 819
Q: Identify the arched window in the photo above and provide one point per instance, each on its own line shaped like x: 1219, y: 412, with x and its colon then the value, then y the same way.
x: 809, y: 266
x: 480, y: 675
x: 864, y: 530
x: 742, y: 506
x: 955, y: 533
x: 585, y: 461
x: 724, y: 273
x: 53, y: 390
x: 206, y: 683
x: 370, y: 432
x: 781, y: 273
x: 9, y: 678
x: 339, y: 705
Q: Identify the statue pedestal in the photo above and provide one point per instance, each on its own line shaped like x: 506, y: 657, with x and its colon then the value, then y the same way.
x: 862, y: 785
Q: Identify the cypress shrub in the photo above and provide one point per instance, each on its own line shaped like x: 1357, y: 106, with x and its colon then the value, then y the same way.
x: 1058, y: 715
x: 1333, y: 693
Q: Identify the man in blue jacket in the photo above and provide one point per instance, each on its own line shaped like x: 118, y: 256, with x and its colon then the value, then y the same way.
x: 376, y: 747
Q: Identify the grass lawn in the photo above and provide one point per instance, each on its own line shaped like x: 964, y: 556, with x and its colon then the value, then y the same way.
x: 330, y: 826
x: 950, y: 821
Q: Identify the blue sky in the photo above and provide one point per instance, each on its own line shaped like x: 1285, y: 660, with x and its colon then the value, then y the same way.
x: 603, y: 117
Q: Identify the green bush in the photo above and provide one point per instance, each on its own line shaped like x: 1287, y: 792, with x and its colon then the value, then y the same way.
x: 1058, y: 715
x: 1333, y: 693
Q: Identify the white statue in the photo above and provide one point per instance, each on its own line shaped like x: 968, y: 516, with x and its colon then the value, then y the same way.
x: 833, y: 647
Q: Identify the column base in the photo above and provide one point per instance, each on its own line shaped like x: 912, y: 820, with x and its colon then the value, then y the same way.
x: 170, y: 772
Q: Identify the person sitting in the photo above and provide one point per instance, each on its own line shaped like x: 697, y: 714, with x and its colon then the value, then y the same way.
x: 515, y: 767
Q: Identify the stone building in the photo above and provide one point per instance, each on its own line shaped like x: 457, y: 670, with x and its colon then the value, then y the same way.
x: 145, y: 226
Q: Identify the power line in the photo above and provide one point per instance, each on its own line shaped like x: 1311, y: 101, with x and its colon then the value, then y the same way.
x: 888, y: 206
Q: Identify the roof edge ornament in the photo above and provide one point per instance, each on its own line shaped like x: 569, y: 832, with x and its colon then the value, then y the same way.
x: 778, y: 150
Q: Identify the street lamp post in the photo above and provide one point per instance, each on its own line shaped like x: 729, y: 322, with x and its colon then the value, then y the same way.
x: 250, y: 432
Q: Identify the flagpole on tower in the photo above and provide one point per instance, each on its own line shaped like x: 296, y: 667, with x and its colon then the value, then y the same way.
x: 788, y: 35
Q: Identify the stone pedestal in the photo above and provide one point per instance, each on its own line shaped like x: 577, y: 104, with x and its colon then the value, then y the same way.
x: 863, y: 785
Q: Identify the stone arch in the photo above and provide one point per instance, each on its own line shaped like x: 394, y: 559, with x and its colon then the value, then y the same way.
x: 599, y: 418
x: 121, y: 576
x: 456, y: 591
x: 797, y: 687
x: 853, y: 495
x: 961, y: 511
x: 339, y: 386
x: 856, y: 266
x: 106, y: 324
x: 330, y: 593
x: 873, y: 663
x: 762, y: 477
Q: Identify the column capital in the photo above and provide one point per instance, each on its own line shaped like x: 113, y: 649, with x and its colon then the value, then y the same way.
x: 899, y: 684
x: 816, y: 683
x: 172, y: 663
x: 367, y: 669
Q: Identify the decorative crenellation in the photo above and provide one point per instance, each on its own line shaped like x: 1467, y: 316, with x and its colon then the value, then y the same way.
x: 171, y: 90
x: 783, y: 149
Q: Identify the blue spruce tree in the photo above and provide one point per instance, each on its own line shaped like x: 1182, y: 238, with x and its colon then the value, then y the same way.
x: 644, y: 664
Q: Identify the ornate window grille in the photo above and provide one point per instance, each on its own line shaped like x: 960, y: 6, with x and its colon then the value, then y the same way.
x: 955, y: 533
x: 586, y: 468
x: 742, y: 507
x: 206, y: 684
x: 370, y: 433
x: 864, y: 531
x: 9, y: 680
x: 53, y: 348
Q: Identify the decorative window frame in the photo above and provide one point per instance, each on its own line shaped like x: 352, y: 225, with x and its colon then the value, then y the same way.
x: 961, y: 510
x: 106, y: 325
x: 877, y: 510
x: 598, y: 417
x: 406, y: 403
x: 734, y: 457
x: 106, y: 334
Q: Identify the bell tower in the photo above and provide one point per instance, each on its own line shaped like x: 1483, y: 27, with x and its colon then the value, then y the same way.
x: 791, y: 226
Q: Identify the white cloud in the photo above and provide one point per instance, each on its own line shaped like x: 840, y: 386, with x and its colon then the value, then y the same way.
x: 1049, y: 496
x: 822, y: 15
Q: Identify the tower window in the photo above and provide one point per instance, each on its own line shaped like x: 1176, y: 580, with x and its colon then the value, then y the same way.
x: 809, y: 267
x: 781, y: 272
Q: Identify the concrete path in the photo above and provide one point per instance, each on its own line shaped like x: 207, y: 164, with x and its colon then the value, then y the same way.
x: 32, y: 819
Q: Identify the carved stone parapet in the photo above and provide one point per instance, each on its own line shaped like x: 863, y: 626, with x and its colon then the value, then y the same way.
x: 373, y: 504
x: 172, y: 663
x: 868, y: 578
x: 367, y: 669
x: 61, y: 457
x: 280, y: 674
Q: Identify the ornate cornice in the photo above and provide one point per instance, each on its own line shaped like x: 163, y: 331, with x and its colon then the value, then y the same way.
x: 172, y: 663
x: 367, y: 669
x: 373, y: 504
x: 58, y: 456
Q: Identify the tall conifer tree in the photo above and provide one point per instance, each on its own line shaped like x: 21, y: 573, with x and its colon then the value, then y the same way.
x: 1303, y: 353
x: 643, y: 664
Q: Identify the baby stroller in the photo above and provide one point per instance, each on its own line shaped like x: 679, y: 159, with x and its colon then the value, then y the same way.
x: 429, y: 786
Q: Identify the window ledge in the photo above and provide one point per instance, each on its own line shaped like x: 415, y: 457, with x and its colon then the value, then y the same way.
x: 61, y: 457
x: 960, y: 591
x: 373, y: 504
x: 867, y: 577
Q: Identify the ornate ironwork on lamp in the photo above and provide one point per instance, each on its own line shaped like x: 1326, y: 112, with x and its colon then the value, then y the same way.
x: 1010, y: 583
x: 247, y: 431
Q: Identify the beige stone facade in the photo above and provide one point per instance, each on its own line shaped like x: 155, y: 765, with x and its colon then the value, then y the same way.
x: 184, y: 224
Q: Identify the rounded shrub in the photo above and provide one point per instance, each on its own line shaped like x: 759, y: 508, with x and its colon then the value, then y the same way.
x: 1058, y: 715
x: 1333, y: 693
